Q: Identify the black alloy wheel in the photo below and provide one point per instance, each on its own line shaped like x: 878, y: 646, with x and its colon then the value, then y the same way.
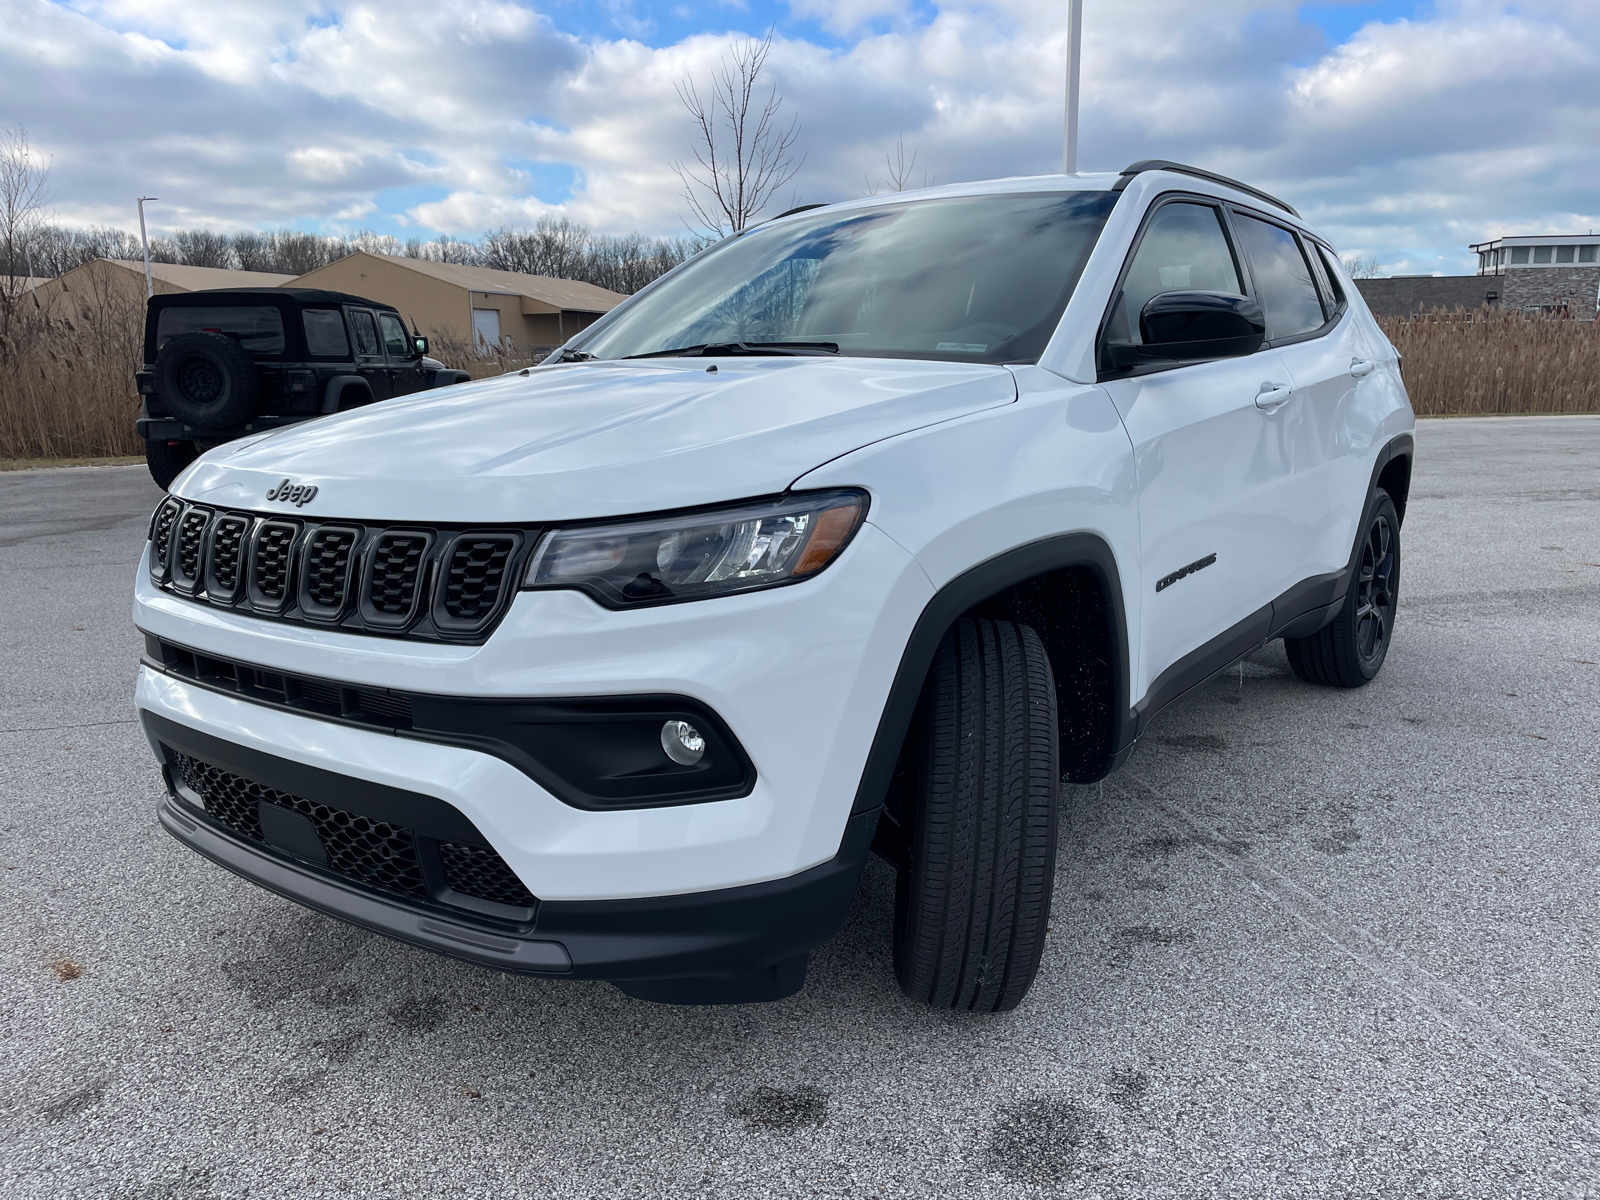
x: 1350, y: 650
x: 1376, y: 581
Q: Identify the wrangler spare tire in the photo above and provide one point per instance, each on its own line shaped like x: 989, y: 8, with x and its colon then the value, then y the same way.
x: 207, y: 380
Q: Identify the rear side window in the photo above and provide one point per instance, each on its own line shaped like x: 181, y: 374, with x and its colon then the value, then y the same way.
x: 1184, y: 249
x: 325, y: 337
x: 394, y: 336
x: 1322, y: 258
x: 258, y: 328
x: 366, y: 332
x: 1283, y: 279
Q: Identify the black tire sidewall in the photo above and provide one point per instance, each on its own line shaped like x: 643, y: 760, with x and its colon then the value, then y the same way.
x: 241, y: 384
x: 167, y: 459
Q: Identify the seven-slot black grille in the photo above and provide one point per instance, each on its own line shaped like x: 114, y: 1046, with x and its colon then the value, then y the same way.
x: 434, y: 584
x: 475, y: 576
x: 377, y: 854
x: 191, y: 542
x: 270, y: 559
x: 327, y: 574
x: 396, y: 572
x: 225, y: 567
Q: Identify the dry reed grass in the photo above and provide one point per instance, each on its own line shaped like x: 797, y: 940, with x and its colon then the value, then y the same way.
x: 67, y: 391
x: 66, y: 379
x: 1485, y: 360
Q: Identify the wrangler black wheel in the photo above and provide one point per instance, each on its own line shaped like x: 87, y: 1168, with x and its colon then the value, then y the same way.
x: 973, y: 896
x: 1351, y: 650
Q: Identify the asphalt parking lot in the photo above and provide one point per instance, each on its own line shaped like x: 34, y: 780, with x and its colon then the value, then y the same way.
x: 1308, y: 942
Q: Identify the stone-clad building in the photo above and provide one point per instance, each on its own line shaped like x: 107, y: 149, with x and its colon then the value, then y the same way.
x: 1550, y: 272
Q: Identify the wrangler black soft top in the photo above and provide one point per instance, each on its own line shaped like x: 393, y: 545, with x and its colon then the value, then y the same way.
x: 263, y: 295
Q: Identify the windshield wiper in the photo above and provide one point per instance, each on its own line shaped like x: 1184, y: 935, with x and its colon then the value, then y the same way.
x: 566, y: 356
x: 708, y: 349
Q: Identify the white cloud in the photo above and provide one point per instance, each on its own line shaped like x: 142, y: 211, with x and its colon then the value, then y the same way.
x: 1410, y: 140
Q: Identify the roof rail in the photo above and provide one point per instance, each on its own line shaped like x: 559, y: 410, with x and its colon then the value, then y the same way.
x: 1161, y: 164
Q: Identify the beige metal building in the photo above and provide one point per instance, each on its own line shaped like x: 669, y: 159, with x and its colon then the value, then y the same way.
x: 114, y: 284
x: 499, y: 311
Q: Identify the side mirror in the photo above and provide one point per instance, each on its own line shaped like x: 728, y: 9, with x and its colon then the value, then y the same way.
x: 1193, y: 325
x: 420, y: 344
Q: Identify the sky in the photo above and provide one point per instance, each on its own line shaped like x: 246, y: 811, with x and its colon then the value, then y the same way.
x: 1403, y: 130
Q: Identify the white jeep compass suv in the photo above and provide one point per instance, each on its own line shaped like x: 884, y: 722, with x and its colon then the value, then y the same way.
x: 858, y: 531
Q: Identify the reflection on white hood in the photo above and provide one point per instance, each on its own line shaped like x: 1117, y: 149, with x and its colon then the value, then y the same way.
x: 594, y: 439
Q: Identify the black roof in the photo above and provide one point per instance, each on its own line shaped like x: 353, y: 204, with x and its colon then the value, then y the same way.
x: 258, y: 295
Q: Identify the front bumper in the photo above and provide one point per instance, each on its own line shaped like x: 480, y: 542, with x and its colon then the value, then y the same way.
x: 737, y: 943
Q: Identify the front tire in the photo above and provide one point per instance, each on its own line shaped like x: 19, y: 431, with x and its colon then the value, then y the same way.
x: 1350, y: 652
x: 973, y: 899
x: 167, y: 459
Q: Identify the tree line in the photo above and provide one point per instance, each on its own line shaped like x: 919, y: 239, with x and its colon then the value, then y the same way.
x: 556, y: 247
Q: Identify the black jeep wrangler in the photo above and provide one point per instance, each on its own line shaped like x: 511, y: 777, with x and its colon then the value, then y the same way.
x: 222, y: 364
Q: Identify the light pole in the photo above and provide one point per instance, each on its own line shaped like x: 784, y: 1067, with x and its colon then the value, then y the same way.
x: 1069, y: 158
x: 149, y: 287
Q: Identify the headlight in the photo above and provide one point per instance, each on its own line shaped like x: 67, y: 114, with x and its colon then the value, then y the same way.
x: 693, y: 556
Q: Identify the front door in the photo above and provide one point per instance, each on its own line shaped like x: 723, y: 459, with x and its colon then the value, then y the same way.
x: 405, y: 364
x: 1212, y: 469
x: 371, y: 362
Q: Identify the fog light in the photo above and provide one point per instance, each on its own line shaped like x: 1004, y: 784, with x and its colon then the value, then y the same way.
x: 683, y: 743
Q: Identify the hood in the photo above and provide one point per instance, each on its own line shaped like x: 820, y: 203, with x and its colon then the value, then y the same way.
x: 593, y: 439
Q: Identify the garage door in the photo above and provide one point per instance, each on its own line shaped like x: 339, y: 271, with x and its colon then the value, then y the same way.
x: 486, y: 329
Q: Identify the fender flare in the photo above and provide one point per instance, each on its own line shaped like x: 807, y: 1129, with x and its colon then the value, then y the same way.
x: 972, y: 586
x: 335, y: 388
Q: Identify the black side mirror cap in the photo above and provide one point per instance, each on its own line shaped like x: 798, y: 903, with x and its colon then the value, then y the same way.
x: 1215, y: 324
x: 1192, y: 325
x: 420, y: 345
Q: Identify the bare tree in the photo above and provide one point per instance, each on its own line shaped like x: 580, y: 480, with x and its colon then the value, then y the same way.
x: 202, y: 248
x: 742, y: 154
x: 899, y: 170
x: 24, y: 201
x: 1362, y: 268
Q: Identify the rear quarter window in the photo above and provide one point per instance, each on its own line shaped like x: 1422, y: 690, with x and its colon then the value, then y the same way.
x: 257, y: 328
x: 325, y: 335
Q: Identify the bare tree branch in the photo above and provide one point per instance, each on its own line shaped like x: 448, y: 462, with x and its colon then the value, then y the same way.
x: 742, y: 154
x: 1361, y: 268
x: 24, y: 201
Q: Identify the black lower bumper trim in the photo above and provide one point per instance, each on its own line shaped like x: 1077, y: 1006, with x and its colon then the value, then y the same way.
x: 360, y: 907
x: 731, y: 934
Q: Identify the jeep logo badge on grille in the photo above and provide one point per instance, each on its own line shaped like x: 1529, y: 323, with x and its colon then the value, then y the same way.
x: 297, y: 494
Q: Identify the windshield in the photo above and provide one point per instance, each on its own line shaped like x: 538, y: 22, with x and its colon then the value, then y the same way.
x: 968, y: 279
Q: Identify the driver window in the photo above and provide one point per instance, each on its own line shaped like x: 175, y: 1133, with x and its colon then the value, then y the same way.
x: 1183, y: 249
x: 394, y: 336
x: 366, y: 333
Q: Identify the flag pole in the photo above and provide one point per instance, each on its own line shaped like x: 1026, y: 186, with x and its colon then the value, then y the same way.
x: 1074, y: 59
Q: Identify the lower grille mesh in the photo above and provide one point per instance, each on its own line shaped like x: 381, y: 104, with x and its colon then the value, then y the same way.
x: 479, y: 871
x: 374, y: 853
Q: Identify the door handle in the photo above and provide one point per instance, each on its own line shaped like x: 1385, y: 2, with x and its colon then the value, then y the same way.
x: 1362, y: 366
x: 1272, y: 395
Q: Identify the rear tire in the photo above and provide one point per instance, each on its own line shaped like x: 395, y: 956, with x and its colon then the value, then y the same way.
x: 1350, y: 652
x: 167, y: 459
x: 973, y: 900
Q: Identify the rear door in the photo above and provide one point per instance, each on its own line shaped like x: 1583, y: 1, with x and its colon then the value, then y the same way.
x: 371, y: 362
x: 1212, y: 472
